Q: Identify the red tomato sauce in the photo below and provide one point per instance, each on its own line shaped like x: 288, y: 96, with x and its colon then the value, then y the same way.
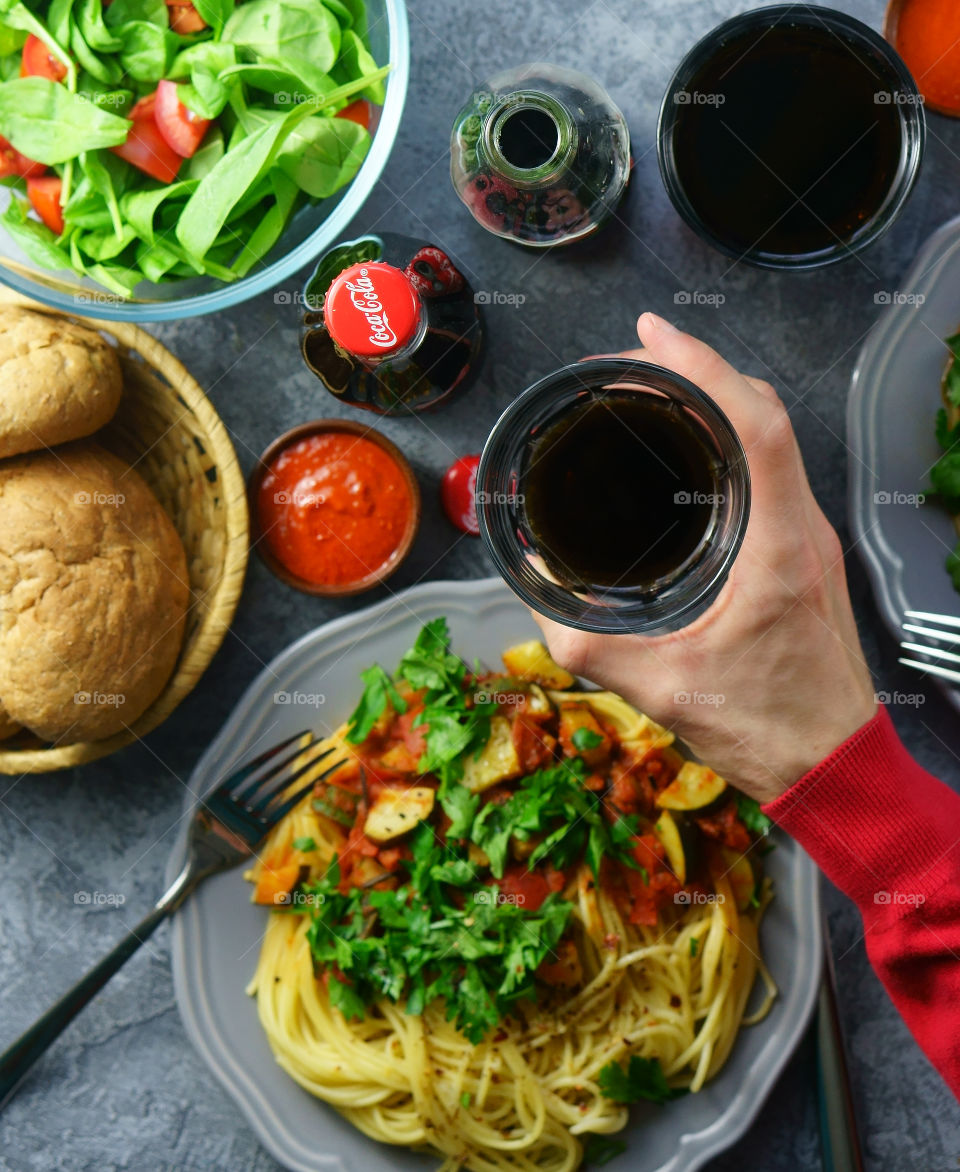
x: 334, y: 508
x: 928, y: 39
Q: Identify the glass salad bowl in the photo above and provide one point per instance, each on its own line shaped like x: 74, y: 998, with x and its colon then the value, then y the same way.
x: 312, y: 228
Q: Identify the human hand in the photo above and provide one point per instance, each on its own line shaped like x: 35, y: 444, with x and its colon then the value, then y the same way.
x: 769, y: 680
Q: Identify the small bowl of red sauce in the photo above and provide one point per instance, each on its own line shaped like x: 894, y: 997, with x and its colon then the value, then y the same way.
x: 335, y: 507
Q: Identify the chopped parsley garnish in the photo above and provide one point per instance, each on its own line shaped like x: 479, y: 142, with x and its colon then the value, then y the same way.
x: 378, y: 689
x: 601, y: 1149
x: 432, y: 938
x: 554, y: 807
x: 465, y: 1099
x: 445, y: 932
x: 304, y: 844
x: 642, y: 1079
x: 455, y: 725
x: 585, y: 738
x: 752, y: 816
x: 694, y: 945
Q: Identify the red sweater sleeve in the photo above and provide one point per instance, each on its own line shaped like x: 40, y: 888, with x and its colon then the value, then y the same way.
x: 887, y: 833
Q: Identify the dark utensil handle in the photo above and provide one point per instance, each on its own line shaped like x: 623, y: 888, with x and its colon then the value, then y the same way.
x: 839, y: 1135
x: 17, y: 1060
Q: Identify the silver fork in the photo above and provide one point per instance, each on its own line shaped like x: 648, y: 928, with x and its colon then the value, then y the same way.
x: 951, y: 636
x: 226, y: 827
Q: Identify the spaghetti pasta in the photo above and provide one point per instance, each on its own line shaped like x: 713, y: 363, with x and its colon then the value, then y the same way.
x: 527, y: 1094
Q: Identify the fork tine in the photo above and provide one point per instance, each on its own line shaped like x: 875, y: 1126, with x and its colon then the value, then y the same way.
x: 274, y: 815
x: 279, y: 786
x: 932, y: 633
x: 239, y: 776
x: 249, y: 789
x: 947, y: 620
x: 937, y: 652
x: 934, y: 669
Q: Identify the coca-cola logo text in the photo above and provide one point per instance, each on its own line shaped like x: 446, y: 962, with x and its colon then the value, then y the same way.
x: 364, y: 297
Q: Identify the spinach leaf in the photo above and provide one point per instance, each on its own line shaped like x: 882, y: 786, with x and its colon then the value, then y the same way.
x: 273, y: 79
x: 46, y: 122
x: 36, y: 240
x: 324, y: 154
x: 106, y: 175
x: 140, y: 207
x: 123, y: 12
x: 215, y: 12
x: 146, y: 50
x: 105, y: 69
x: 11, y: 39
x: 267, y: 232
x: 88, y: 15
x: 357, y: 61
x: 300, y: 36
x: 205, y: 64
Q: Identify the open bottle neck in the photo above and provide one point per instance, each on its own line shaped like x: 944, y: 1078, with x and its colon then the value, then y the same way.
x: 529, y: 138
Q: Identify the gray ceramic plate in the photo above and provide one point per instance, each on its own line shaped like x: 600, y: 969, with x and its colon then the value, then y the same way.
x: 217, y: 935
x: 893, y: 400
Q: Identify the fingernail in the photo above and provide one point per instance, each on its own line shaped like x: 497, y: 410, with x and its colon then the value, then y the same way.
x: 660, y: 323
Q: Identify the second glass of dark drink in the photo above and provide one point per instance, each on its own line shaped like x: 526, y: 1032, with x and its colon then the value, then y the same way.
x: 613, y: 496
x: 790, y: 136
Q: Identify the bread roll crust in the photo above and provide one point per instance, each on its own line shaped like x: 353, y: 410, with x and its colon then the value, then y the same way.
x: 59, y: 381
x: 94, y: 592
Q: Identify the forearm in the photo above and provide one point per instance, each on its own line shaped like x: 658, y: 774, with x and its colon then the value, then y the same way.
x: 887, y: 833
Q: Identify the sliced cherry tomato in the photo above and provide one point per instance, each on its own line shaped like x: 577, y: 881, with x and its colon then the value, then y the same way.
x: 458, y: 491
x: 144, y: 108
x: 184, y: 18
x: 38, y: 61
x: 13, y: 163
x: 358, y: 111
x: 149, y: 151
x: 179, y: 125
x: 44, y: 195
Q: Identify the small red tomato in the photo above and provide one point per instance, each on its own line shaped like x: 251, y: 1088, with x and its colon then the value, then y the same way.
x: 13, y: 163
x: 44, y: 195
x: 147, y: 149
x: 178, y: 124
x: 358, y: 111
x: 38, y: 61
x: 458, y: 493
x: 184, y: 18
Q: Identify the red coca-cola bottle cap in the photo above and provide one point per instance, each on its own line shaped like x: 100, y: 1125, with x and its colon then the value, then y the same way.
x: 372, y: 310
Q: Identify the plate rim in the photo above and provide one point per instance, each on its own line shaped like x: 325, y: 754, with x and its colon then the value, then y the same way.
x: 884, y: 565
x: 191, y: 990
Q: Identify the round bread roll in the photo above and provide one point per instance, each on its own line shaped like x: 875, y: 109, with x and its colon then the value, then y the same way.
x: 93, y: 593
x: 59, y: 381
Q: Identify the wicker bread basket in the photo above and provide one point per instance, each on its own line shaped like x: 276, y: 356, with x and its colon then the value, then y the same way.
x: 169, y: 429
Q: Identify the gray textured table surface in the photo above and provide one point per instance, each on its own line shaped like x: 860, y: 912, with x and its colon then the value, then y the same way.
x: 123, y: 1088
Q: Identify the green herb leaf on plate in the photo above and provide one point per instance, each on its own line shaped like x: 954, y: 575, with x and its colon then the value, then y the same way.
x: 643, y: 1078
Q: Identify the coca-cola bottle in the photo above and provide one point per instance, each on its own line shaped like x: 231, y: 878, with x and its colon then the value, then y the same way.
x: 390, y: 325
